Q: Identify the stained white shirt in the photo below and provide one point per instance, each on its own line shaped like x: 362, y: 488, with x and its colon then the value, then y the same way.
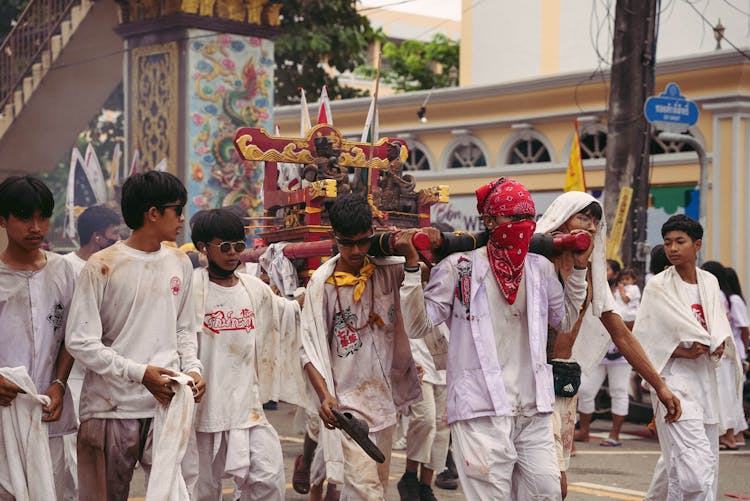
x: 131, y: 309
x: 33, y: 308
x: 227, y: 349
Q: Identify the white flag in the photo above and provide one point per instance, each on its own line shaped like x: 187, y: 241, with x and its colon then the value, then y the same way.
x: 93, y: 170
x: 304, y: 119
x: 161, y: 166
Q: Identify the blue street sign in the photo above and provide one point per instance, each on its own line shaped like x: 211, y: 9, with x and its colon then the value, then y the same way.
x: 670, y: 110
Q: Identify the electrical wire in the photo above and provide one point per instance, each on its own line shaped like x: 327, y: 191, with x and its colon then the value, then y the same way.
x: 739, y: 51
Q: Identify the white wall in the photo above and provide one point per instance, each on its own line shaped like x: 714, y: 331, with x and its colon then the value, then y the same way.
x: 507, y: 34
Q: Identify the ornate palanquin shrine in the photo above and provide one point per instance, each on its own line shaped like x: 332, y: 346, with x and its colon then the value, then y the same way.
x: 329, y: 165
x: 195, y: 71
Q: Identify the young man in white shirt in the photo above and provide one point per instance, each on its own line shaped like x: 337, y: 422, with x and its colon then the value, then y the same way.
x: 355, y: 350
x: 498, y: 302
x: 97, y: 229
x: 132, y: 322
x: 36, y: 287
x: 241, y: 322
x: 683, y: 327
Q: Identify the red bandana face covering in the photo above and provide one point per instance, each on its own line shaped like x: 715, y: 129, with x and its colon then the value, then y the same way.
x: 509, y: 242
x: 506, y: 250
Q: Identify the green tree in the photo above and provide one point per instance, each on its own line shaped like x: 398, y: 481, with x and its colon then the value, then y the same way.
x: 415, y: 65
x: 317, y: 36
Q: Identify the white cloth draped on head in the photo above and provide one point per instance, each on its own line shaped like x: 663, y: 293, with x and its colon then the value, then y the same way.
x: 563, y: 208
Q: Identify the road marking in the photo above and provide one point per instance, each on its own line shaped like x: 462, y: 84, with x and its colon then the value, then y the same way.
x: 618, y: 490
x: 603, y: 494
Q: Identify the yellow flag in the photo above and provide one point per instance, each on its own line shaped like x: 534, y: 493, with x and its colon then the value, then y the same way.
x: 574, y: 178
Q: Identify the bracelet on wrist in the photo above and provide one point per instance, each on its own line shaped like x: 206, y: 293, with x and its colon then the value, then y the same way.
x: 576, y: 267
x: 411, y: 269
x: 61, y: 383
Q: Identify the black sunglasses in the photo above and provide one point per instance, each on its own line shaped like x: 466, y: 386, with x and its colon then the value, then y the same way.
x: 225, y: 247
x: 177, y: 208
x: 348, y: 242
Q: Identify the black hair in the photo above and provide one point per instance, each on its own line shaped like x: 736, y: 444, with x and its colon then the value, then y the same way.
x: 717, y: 269
x: 615, y: 265
x: 95, y: 219
x: 629, y: 272
x: 659, y: 260
x: 350, y: 215
x: 594, y: 209
x: 151, y: 189
x: 217, y: 223
x: 733, y: 281
x: 23, y: 196
x: 681, y: 222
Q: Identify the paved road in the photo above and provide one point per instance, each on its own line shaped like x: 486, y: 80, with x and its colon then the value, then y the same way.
x: 596, y: 472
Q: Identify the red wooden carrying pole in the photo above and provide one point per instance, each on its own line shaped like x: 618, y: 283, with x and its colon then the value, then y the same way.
x: 304, y: 250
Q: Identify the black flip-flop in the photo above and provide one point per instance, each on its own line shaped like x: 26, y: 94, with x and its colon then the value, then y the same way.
x: 358, y: 430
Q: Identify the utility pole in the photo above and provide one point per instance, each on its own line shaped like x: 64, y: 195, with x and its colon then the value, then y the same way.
x: 628, y: 132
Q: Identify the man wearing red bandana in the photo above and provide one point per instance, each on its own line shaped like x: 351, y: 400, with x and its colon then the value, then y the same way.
x: 498, y: 302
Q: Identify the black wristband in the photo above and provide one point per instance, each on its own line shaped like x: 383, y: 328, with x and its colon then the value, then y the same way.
x: 412, y: 269
x: 577, y: 268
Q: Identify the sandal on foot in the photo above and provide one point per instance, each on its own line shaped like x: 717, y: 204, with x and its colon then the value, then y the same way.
x: 358, y: 430
x: 610, y: 442
x: 301, y: 476
x: 723, y: 446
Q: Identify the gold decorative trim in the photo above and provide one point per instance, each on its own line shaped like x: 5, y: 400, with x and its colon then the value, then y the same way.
x: 154, y: 112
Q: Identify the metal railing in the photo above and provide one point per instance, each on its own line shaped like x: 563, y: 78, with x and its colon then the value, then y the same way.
x: 27, y: 41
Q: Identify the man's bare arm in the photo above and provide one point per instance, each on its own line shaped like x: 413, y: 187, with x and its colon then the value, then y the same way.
x: 633, y: 352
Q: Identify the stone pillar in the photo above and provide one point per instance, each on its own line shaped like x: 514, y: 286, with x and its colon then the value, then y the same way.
x: 195, y: 71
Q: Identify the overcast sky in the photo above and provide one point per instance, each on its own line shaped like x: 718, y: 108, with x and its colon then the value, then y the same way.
x: 448, y: 9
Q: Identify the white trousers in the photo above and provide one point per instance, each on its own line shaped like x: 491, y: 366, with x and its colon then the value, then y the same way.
x: 731, y: 412
x: 690, y: 451
x: 263, y: 477
x: 428, y: 435
x: 364, y: 479
x: 507, y: 457
x: 618, y: 378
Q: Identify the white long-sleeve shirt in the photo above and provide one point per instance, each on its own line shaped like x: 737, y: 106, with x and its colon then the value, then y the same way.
x: 131, y: 309
x: 33, y: 308
x: 476, y: 386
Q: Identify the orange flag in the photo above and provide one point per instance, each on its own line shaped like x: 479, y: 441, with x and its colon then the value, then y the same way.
x: 574, y: 178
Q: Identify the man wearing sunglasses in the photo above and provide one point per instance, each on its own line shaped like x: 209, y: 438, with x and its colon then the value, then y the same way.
x: 131, y: 323
x: 355, y: 351
x: 247, y: 339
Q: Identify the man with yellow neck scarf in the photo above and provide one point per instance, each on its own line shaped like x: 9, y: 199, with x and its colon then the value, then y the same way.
x: 355, y: 350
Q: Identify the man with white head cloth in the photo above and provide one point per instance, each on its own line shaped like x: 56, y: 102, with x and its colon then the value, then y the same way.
x: 599, y: 325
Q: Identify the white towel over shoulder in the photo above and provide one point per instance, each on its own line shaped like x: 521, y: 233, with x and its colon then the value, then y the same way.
x: 665, y: 319
x: 26, y: 465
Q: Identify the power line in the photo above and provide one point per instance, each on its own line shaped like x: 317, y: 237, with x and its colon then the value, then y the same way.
x: 740, y: 51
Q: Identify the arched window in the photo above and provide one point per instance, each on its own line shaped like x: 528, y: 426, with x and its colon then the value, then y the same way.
x: 419, y: 157
x: 593, y: 141
x: 466, y: 151
x: 659, y: 146
x: 526, y: 147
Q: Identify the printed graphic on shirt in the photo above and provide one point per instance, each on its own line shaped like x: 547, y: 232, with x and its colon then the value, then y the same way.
x: 55, y: 318
x: 174, y: 285
x: 392, y: 313
x: 463, y: 287
x: 699, y: 315
x: 219, y: 321
x: 348, y: 341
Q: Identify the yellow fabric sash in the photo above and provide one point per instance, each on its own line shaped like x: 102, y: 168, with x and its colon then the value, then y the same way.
x: 358, y: 281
